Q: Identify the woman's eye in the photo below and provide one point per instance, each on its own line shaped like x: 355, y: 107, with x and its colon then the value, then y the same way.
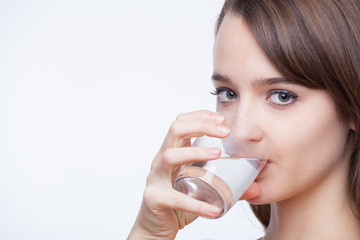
x: 281, y: 97
x: 224, y: 95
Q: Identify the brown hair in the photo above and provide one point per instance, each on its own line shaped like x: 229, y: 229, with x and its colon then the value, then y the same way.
x: 315, y: 43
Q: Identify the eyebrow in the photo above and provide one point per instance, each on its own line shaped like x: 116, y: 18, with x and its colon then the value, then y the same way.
x: 220, y: 78
x: 257, y: 83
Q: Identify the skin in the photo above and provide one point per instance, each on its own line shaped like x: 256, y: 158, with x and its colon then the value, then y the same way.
x: 305, y: 178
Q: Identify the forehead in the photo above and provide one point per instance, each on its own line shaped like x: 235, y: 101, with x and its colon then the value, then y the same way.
x: 236, y: 51
x: 234, y: 33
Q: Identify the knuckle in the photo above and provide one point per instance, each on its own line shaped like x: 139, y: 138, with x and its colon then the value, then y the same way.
x: 175, y: 128
x: 195, y: 152
x: 149, y: 194
x: 180, y: 116
x: 207, y: 125
x: 178, y: 203
x: 149, y: 181
x: 167, y: 156
x: 200, y: 208
x: 206, y: 113
x: 198, y: 152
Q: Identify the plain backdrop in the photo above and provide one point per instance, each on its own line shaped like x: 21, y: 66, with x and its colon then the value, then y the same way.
x: 88, y: 90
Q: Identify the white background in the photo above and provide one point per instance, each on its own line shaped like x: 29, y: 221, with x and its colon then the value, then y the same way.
x: 88, y: 90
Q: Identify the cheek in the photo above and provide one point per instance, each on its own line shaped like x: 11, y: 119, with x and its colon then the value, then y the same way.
x: 313, y: 134
x: 310, y: 143
x: 303, y: 153
x: 317, y: 139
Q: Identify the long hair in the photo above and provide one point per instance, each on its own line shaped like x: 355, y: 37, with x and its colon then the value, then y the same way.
x: 314, y: 43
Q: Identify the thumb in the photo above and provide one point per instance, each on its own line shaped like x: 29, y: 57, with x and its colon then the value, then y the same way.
x: 253, y: 191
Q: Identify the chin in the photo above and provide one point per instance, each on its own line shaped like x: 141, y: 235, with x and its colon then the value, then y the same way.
x: 258, y: 201
x: 268, y: 195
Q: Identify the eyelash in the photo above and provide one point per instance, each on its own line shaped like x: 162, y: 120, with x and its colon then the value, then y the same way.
x: 218, y: 91
x: 293, y: 97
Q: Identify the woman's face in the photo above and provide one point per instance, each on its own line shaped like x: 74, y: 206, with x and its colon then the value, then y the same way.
x: 302, y: 127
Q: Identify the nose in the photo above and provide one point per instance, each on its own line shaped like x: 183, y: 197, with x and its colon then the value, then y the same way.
x: 244, y: 137
x: 242, y: 128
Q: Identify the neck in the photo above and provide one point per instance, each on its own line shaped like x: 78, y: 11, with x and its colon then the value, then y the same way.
x: 322, y: 212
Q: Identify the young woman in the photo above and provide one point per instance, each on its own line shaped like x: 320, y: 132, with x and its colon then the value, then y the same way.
x: 292, y: 66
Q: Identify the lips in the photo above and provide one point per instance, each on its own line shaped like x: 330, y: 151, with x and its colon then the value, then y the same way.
x: 263, y: 170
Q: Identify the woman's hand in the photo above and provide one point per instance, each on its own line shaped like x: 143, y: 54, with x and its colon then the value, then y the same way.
x: 164, y: 210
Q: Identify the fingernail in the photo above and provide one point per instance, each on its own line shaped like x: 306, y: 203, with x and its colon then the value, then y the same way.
x: 213, y: 211
x: 219, y: 118
x: 222, y: 129
x: 213, y: 151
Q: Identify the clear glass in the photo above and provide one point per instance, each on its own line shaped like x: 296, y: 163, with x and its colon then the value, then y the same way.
x: 223, y: 181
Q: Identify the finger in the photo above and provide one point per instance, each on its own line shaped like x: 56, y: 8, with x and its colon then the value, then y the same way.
x: 173, y: 158
x: 180, y: 156
x: 253, y: 191
x: 204, y: 114
x: 185, y: 203
x: 160, y: 198
x: 186, y: 129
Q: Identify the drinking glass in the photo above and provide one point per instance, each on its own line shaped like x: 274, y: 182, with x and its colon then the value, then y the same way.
x: 223, y: 181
